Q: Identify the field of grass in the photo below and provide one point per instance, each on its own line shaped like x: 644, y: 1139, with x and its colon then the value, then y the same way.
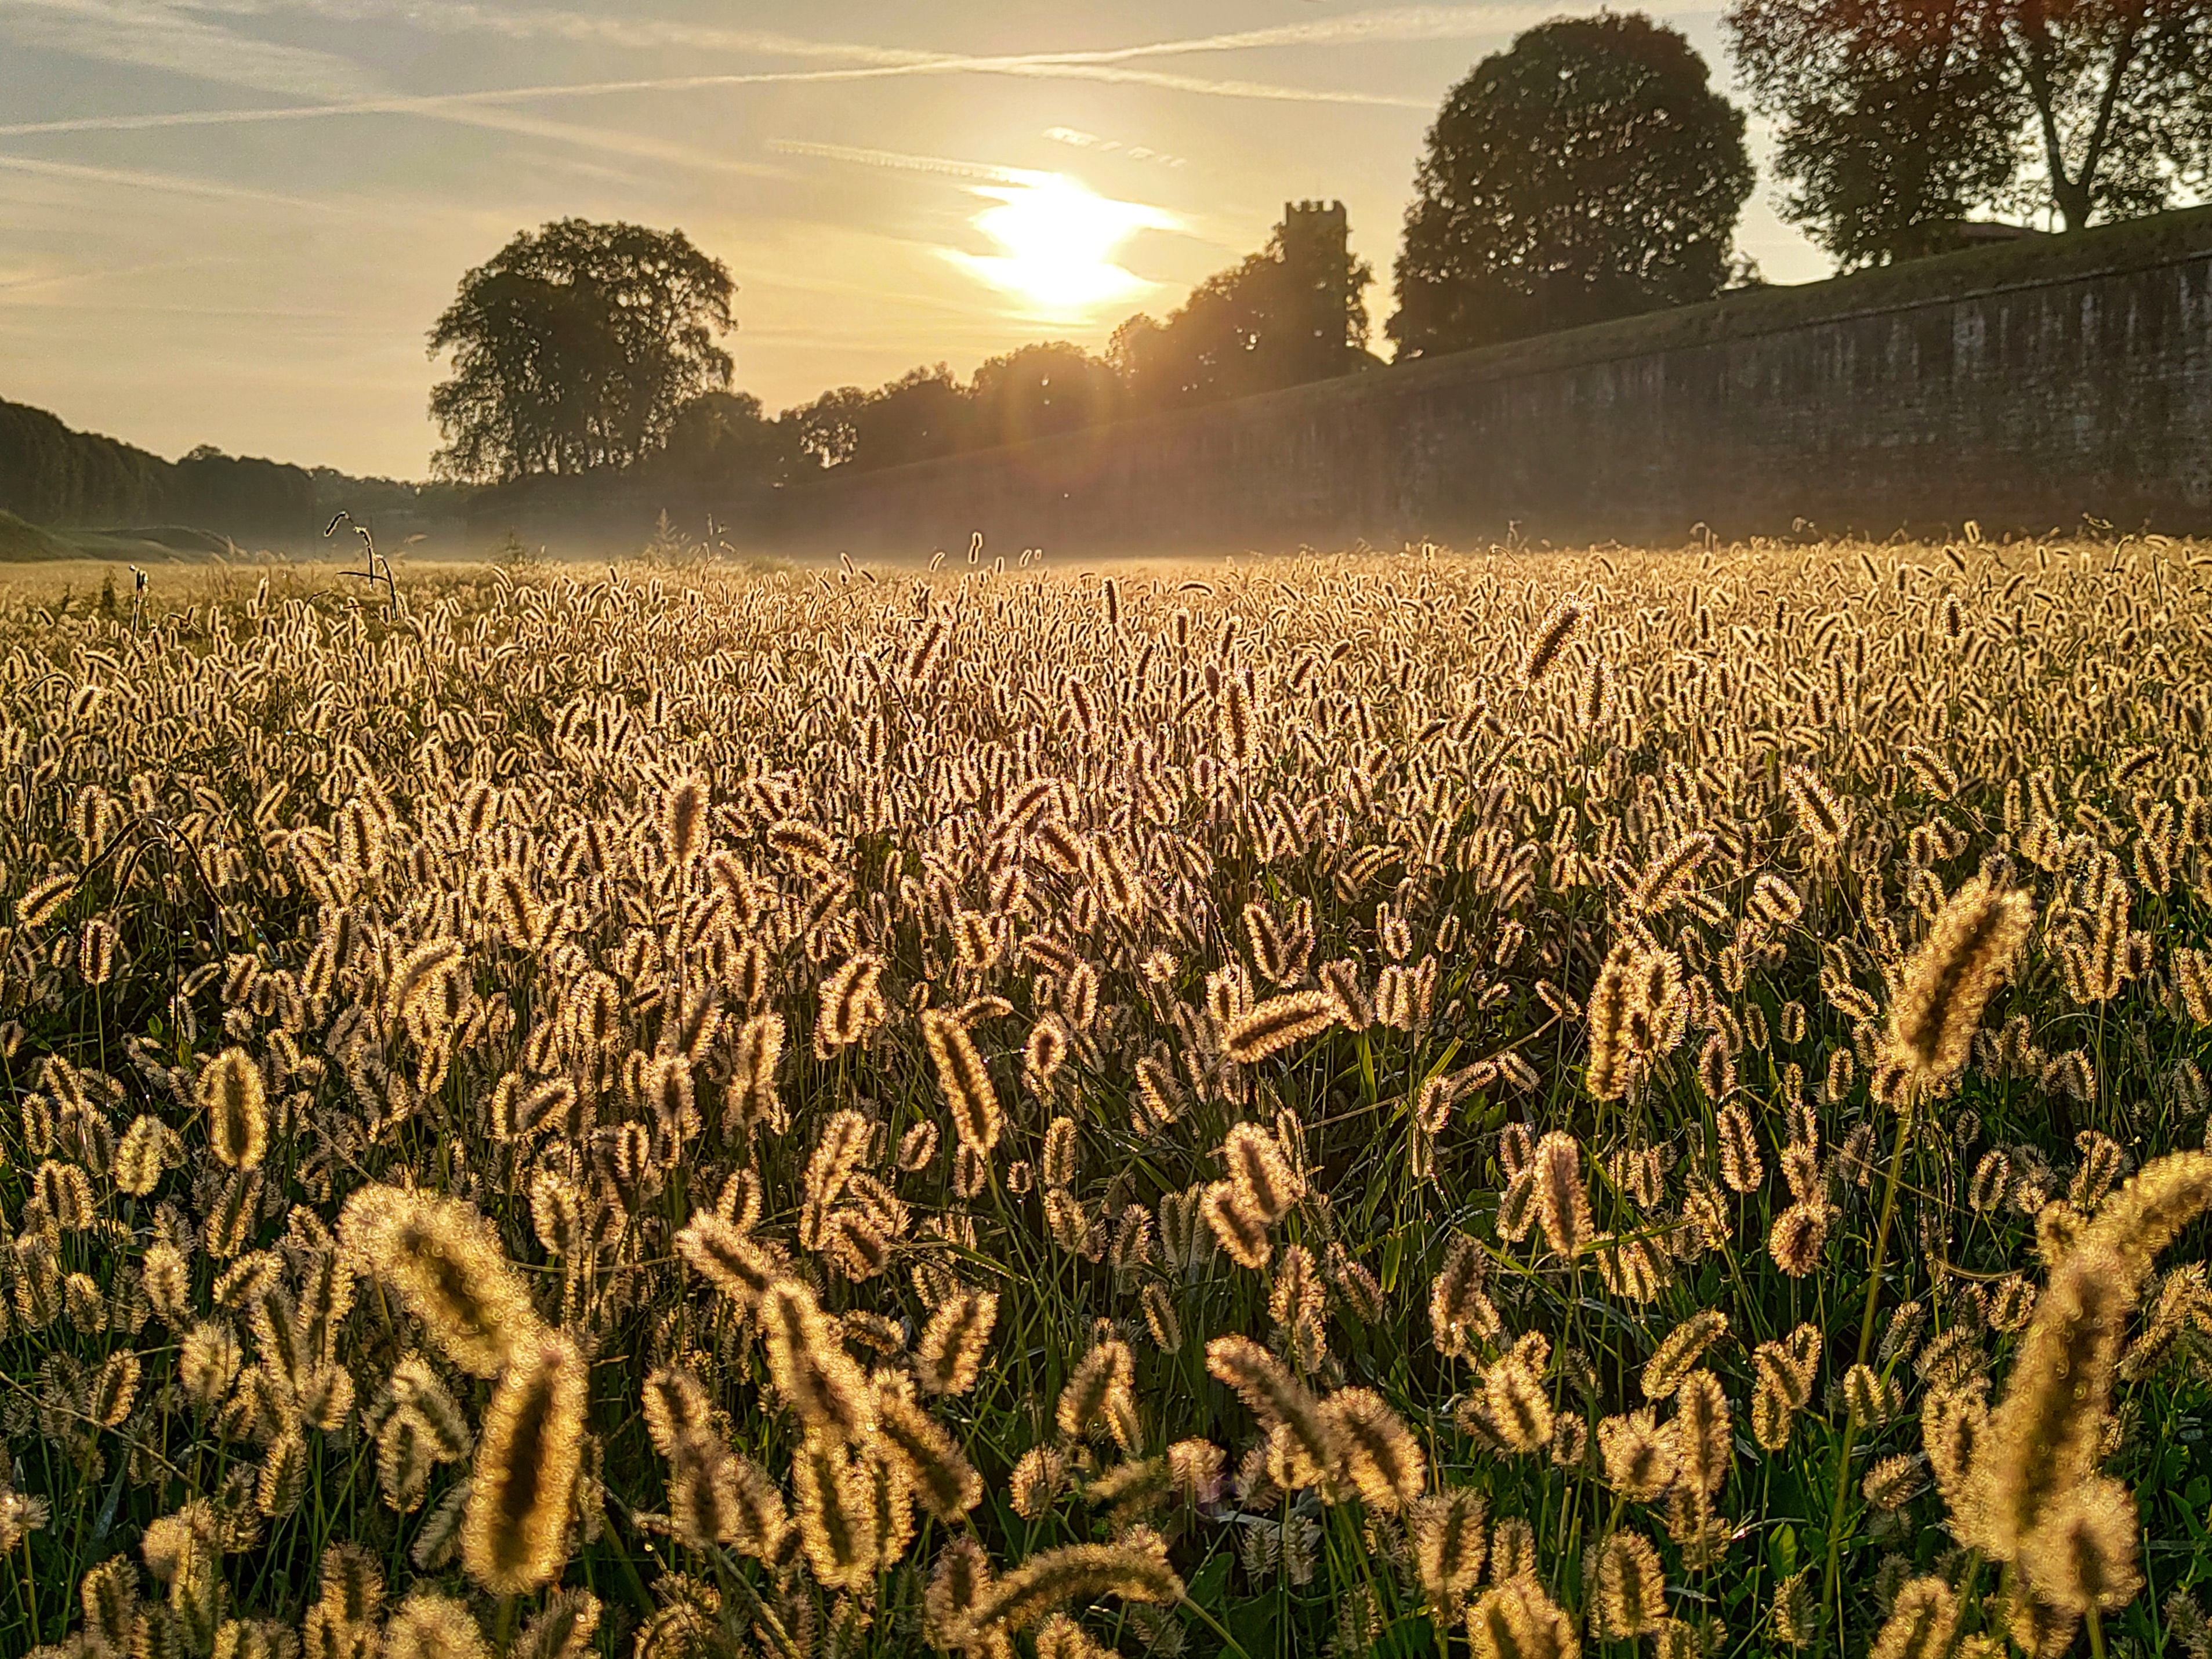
x: 1612, y: 1103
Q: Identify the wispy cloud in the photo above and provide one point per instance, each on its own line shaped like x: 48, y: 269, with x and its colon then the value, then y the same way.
x: 1388, y: 26
x: 143, y: 35
x: 443, y: 104
x: 1076, y: 138
x: 72, y: 281
x: 166, y: 184
x: 899, y: 161
x: 159, y: 36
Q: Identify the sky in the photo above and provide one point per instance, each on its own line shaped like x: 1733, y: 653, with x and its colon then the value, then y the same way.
x: 233, y: 221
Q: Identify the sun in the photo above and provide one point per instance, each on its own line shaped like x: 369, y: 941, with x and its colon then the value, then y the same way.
x: 1058, y: 238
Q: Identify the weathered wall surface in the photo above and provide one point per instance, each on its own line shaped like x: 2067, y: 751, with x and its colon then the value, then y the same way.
x: 2024, y: 387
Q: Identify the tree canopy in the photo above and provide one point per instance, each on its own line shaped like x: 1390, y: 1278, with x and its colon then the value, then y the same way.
x: 1588, y: 172
x: 1282, y: 316
x: 52, y: 474
x: 1893, y: 116
x: 1039, y: 391
x: 574, y: 348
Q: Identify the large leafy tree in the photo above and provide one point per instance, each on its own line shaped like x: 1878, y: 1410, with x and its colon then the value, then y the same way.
x: 1588, y: 172
x: 1884, y: 117
x: 574, y: 348
x: 1896, y: 115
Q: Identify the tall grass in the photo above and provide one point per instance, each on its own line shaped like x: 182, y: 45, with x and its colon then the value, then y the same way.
x: 1502, y: 1104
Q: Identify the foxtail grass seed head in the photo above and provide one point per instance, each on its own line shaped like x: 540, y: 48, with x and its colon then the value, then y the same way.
x: 427, y: 1625
x: 1630, y: 1587
x: 723, y: 1255
x: 945, y: 1482
x: 1305, y: 1447
x: 1262, y: 1180
x: 1378, y: 1453
x: 2081, y: 1556
x: 1671, y: 1363
x: 1550, y: 637
x: 444, y: 1262
x: 524, y: 1484
x: 1135, y: 1569
x: 1562, y: 1199
x: 816, y: 1378
x: 1451, y: 1542
x: 970, y: 1097
x: 1280, y: 1022
x: 1950, y: 979
x: 1818, y: 813
x: 949, y: 1354
x: 683, y: 812
x: 1611, y: 1002
x: 859, y: 1094
x: 234, y: 1100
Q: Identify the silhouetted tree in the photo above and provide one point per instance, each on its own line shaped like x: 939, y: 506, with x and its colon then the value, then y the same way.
x: 916, y: 417
x: 243, y: 494
x: 1589, y: 172
x: 723, y: 437
x: 1295, y: 310
x: 826, y: 433
x: 52, y: 474
x: 1895, y: 113
x: 1038, y: 391
x: 574, y: 346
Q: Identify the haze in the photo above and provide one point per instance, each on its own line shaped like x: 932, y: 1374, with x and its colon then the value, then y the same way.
x: 231, y: 221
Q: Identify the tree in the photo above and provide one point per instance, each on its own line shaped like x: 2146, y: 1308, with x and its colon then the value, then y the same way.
x: 1295, y: 310
x: 918, y: 416
x: 574, y: 348
x: 1894, y: 114
x: 1588, y: 172
x: 723, y: 437
x: 1884, y: 128
x: 243, y: 494
x: 1039, y: 391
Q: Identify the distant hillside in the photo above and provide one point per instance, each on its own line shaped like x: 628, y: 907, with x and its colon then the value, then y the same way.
x: 52, y: 475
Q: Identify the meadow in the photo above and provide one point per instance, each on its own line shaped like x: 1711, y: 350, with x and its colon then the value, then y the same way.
x: 1509, y: 1103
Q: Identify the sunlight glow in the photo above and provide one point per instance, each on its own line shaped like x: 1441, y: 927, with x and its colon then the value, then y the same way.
x: 1058, y: 237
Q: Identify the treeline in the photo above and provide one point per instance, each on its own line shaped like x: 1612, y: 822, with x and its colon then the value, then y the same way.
x: 518, y: 415
x: 52, y: 474
x: 1293, y: 312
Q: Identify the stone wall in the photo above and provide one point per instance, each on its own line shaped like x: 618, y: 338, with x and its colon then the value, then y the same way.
x: 2023, y: 386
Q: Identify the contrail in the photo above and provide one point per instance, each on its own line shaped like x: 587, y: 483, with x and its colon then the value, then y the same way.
x: 1109, y: 66
x: 1396, y: 25
x: 905, y: 163
x: 439, y: 104
x: 165, y: 183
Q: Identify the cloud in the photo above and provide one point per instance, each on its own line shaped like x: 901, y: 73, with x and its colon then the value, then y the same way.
x: 148, y: 35
x: 167, y: 184
x: 73, y: 281
x: 902, y: 162
x: 153, y: 36
x: 1389, y: 26
x: 1076, y: 138
x: 156, y: 37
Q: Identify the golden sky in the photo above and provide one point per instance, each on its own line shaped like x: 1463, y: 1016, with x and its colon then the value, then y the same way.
x: 233, y: 221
